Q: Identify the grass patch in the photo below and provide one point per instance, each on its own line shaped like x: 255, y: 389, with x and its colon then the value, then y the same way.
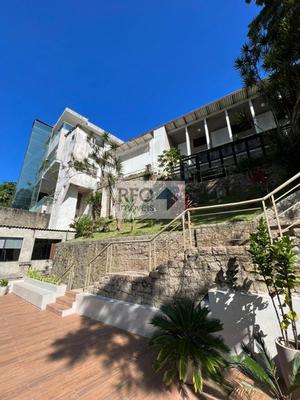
x: 151, y: 227
x: 198, y: 218
x: 142, y: 227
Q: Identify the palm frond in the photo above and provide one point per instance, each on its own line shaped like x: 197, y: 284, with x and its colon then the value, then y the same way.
x: 185, y: 337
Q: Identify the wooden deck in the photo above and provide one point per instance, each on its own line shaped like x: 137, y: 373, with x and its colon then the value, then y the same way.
x: 43, y: 356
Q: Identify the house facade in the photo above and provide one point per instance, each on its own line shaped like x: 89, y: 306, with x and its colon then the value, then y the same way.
x: 210, y: 138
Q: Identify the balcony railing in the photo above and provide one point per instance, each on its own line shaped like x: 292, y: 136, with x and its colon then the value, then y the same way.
x: 44, y: 205
x: 226, y: 155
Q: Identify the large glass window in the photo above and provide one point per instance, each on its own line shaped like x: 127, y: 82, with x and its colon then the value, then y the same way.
x: 31, y: 166
x: 10, y: 249
x: 42, y: 248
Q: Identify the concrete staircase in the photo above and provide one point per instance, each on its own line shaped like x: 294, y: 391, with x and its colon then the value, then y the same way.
x: 64, y: 305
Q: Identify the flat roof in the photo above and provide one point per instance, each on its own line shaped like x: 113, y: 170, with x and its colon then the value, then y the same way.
x: 197, y: 115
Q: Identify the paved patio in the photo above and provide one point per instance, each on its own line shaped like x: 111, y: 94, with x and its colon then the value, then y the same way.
x: 43, y: 356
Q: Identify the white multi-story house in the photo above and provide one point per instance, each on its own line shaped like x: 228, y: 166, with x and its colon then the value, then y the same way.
x: 214, y: 136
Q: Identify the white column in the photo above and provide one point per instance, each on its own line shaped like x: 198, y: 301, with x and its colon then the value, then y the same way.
x: 188, y: 142
x: 253, y: 116
x: 207, y: 134
x: 228, y: 126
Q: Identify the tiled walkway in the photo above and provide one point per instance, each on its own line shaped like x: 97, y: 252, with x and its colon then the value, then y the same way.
x: 45, y: 357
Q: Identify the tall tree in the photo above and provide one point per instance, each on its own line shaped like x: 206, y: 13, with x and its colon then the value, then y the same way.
x: 7, y: 190
x: 103, y: 157
x: 272, y: 51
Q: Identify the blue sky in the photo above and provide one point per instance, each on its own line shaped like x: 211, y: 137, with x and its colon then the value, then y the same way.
x: 127, y: 65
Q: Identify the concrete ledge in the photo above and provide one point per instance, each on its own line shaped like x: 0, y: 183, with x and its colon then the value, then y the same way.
x: 134, y: 318
x: 34, y: 294
x: 58, y: 290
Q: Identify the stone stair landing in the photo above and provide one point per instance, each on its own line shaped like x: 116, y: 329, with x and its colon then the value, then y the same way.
x: 64, y: 305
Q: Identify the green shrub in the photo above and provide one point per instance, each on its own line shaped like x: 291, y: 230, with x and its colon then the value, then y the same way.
x: 277, y: 264
x: 186, y: 340
x: 36, y: 274
x: 84, y: 226
x: 3, y: 282
x: 102, y: 224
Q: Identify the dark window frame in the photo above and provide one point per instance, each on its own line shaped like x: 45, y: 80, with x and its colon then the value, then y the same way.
x: 10, y: 254
x: 42, y: 248
x: 201, y: 140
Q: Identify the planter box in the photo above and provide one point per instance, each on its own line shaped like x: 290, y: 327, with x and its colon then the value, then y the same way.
x: 58, y: 290
x: 37, y: 292
x: 3, y: 290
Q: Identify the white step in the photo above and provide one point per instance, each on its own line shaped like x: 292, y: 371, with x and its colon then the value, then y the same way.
x: 34, y: 294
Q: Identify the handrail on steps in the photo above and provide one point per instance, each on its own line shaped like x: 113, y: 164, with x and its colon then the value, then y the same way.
x: 182, y: 216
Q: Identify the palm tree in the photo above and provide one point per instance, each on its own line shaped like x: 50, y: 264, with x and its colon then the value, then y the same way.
x: 103, y: 157
x: 187, y: 343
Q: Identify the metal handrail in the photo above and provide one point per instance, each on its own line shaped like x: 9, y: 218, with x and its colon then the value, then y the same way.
x: 187, y: 211
x: 65, y: 272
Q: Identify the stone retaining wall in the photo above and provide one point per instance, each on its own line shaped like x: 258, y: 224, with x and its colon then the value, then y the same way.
x: 210, y: 267
x: 204, y: 268
x: 134, y: 256
x: 129, y: 256
x: 226, y: 234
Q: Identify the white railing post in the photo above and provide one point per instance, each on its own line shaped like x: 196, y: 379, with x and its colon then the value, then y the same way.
x: 106, y: 261
x: 183, y: 230
x: 154, y: 254
x: 110, y: 258
x: 276, y: 215
x: 267, y: 220
x: 150, y: 257
x: 189, y: 228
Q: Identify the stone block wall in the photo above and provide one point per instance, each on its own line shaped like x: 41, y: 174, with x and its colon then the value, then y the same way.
x: 226, y: 234
x: 134, y: 255
x: 209, y: 267
x: 206, y: 267
x: 126, y: 256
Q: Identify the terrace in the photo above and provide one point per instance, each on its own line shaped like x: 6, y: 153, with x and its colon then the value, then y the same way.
x: 46, y: 357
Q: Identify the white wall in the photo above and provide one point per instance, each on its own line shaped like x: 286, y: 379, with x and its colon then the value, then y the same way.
x: 182, y: 147
x: 64, y: 208
x: 265, y: 121
x: 243, y: 313
x: 69, y: 181
x: 136, y: 160
x: 219, y: 137
x: 158, y: 144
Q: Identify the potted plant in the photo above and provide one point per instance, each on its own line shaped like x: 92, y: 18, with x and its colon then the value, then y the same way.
x: 187, y: 343
x: 3, y: 287
x: 277, y: 264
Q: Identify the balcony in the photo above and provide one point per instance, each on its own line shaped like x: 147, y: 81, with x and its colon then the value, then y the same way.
x: 43, y: 206
x: 198, y: 166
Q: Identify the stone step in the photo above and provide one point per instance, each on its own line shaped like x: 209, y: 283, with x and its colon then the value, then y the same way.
x: 65, y: 301
x: 65, y: 305
x: 73, y: 293
x: 57, y: 309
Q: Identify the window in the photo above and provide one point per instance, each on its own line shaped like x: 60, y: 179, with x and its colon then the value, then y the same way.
x: 10, y: 248
x: 199, y: 141
x: 42, y: 248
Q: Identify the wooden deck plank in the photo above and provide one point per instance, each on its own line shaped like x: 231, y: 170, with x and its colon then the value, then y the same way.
x: 43, y: 356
